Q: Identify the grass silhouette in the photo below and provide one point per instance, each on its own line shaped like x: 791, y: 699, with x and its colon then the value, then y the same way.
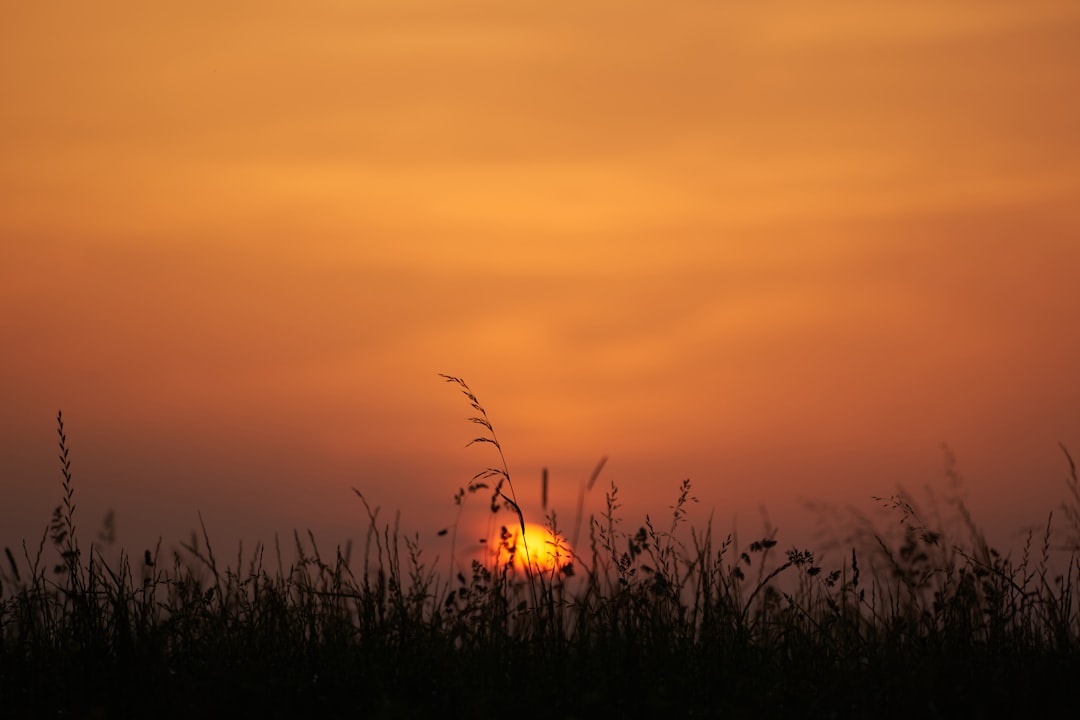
x: 669, y: 621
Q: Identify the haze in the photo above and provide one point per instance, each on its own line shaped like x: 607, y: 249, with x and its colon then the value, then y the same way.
x: 785, y: 251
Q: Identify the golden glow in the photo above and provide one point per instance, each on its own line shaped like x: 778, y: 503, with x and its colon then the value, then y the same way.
x: 546, y: 553
x: 783, y: 249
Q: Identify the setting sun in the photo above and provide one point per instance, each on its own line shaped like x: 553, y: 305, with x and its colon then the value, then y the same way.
x: 815, y: 261
x: 546, y: 552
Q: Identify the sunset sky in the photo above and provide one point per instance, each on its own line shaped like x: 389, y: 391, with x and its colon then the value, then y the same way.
x: 783, y: 249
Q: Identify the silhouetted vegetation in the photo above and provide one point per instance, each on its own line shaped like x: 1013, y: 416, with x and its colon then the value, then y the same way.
x: 665, y: 621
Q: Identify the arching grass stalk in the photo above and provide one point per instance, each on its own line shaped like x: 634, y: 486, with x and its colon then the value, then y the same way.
x: 500, y: 475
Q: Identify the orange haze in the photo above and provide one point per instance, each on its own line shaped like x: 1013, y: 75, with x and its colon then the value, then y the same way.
x: 783, y: 249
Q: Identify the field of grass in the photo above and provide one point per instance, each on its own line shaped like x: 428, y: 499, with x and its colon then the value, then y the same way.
x: 648, y: 620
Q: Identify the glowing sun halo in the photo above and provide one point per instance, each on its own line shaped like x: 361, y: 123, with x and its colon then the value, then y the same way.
x: 545, y: 552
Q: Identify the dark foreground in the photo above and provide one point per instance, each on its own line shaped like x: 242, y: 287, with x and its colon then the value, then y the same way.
x: 646, y: 626
x: 925, y: 621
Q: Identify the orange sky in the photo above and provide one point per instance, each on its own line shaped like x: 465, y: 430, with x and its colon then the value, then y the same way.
x: 784, y: 250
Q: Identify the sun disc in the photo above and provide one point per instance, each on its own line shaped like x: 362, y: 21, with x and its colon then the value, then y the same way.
x: 543, y: 551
